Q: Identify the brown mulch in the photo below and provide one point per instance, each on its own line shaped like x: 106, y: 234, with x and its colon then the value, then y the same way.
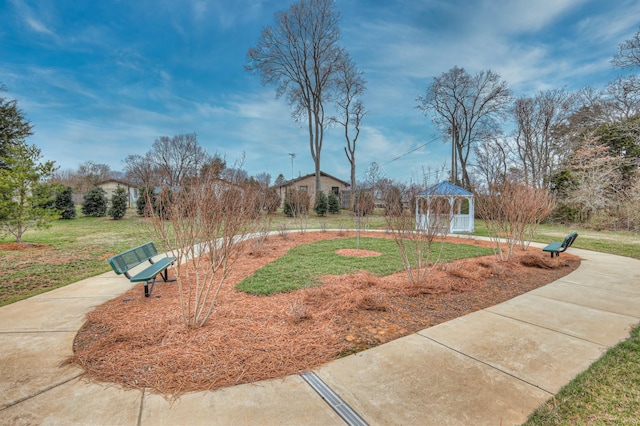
x: 143, y: 343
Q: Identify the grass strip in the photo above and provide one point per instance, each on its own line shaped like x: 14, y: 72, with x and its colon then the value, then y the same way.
x: 608, y: 393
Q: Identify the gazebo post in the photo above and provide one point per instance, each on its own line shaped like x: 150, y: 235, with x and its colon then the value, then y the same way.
x: 472, y: 215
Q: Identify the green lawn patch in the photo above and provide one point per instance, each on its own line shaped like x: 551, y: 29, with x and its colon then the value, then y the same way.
x: 607, y: 393
x: 70, y: 250
x: 302, y: 265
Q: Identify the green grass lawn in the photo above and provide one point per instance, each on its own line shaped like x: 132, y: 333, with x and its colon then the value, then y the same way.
x: 74, y: 249
x: 302, y: 265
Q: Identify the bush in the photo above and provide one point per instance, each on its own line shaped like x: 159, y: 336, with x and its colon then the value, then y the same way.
x: 334, y: 203
x: 64, y: 203
x: 119, y: 203
x: 95, y: 202
x: 145, y: 194
x: 322, y: 204
x: 296, y: 202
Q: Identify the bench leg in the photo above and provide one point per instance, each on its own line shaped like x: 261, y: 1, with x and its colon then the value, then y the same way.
x: 165, y: 276
x: 148, y: 286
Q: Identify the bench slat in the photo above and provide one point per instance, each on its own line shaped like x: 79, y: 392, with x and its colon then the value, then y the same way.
x: 153, y: 270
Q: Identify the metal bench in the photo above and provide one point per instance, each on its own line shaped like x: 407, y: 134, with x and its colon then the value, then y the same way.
x: 555, y: 248
x: 122, y: 263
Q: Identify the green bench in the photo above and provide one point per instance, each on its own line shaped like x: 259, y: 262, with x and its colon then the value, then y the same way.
x: 122, y: 263
x: 555, y: 248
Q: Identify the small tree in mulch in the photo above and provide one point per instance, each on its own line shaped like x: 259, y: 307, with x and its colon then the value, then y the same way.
x: 204, y: 225
x: 334, y: 203
x: 321, y: 205
x: 95, y: 202
x: 119, y: 203
x: 64, y: 203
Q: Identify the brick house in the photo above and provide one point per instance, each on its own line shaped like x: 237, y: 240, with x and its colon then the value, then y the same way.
x: 308, y: 183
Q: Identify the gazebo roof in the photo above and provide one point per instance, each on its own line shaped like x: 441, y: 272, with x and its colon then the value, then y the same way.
x: 445, y: 189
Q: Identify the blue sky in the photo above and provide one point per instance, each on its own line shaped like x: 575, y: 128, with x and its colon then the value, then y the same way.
x: 102, y: 80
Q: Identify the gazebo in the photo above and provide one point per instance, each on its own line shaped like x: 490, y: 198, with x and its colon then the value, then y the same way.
x: 459, y: 200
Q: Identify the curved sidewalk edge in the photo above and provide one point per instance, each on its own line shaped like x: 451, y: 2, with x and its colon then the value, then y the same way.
x: 493, y: 366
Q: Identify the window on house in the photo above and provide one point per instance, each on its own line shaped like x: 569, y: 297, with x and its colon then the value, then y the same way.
x: 303, y: 188
x: 335, y: 190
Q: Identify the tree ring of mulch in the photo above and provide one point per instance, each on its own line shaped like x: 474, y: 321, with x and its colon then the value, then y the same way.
x: 141, y: 342
x: 357, y: 253
x: 23, y: 246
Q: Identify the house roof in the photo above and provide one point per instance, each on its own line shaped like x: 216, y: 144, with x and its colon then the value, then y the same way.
x: 118, y: 181
x: 445, y: 189
x: 292, y: 181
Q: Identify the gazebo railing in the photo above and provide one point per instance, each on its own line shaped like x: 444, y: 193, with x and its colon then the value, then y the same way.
x: 459, y: 222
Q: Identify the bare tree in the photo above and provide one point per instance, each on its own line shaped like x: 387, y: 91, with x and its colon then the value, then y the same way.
x: 139, y: 170
x: 624, y: 97
x: 351, y: 85
x: 628, y: 55
x: 492, y: 160
x: 170, y: 160
x: 176, y: 158
x: 537, y: 142
x: 264, y: 179
x: 85, y: 177
x: 466, y: 109
x: 595, y: 173
x: 300, y: 55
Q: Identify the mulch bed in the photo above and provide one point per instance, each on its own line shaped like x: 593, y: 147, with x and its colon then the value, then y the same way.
x: 142, y: 342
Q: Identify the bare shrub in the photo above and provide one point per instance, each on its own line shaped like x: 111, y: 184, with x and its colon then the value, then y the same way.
x: 416, y: 243
x: 282, y: 231
x: 204, y: 222
x: 296, y: 204
x: 258, y: 242
x: 512, y: 212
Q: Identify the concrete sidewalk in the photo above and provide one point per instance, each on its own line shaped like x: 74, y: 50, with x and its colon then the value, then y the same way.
x: 490, y: 367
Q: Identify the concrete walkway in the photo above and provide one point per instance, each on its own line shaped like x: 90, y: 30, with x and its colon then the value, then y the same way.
x: 491, y: 367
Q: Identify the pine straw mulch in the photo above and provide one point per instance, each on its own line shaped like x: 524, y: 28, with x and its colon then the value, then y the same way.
x: 142, y: 343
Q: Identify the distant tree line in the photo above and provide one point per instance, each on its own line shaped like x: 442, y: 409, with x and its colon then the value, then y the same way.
x: 583, y: 146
